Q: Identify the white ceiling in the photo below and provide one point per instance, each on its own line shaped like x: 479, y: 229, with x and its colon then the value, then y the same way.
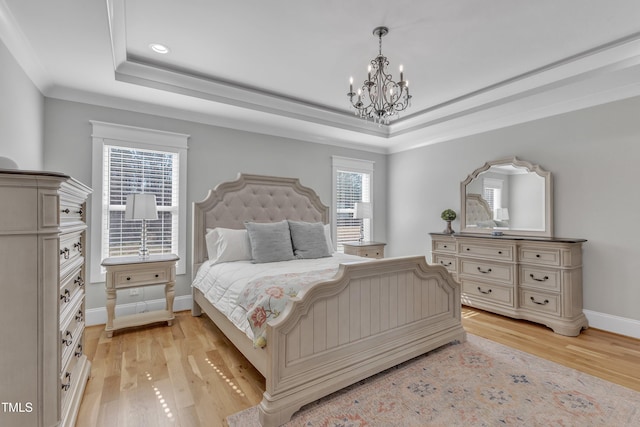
x: 281, y: 67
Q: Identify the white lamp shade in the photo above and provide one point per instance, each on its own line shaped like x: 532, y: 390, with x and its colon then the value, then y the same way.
x: 141, y: 206
x: 363, y: 210
x: 502, y: 214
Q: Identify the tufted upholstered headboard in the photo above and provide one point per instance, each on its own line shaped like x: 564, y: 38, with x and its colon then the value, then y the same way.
x: 253, y: 198
x: 477, y: 210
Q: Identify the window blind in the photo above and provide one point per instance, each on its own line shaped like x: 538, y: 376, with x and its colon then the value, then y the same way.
x: 351, y: 187
x: 127, y: 171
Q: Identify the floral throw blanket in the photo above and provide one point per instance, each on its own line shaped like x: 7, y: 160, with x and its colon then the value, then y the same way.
x: 266, y: 297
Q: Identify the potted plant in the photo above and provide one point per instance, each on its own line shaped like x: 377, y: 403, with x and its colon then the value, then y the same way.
x: 448, y: 215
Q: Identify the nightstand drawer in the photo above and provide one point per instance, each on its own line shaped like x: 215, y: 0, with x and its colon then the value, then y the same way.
x: 365, y: 249
x: 141, y: 277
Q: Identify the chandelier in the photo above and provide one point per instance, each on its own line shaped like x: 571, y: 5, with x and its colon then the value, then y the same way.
x: 380, y: 98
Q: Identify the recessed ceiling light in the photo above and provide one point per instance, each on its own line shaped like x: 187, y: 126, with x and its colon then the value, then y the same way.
x: 159, y: 48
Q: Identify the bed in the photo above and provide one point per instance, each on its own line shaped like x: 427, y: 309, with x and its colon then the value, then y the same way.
x: 366, y: 318
x: 478, y: 212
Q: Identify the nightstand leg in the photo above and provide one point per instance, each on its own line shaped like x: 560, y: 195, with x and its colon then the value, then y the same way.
x: 111, y: 310
x: 169, y: 295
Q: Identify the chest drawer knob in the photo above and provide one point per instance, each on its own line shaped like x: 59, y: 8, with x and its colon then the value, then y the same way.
x: 447, y: 264
x: 537, y: 255
x: 80, y: 316
x: 545, y: 302
x: 78, y: 352
x: 484, y: 292
x: 65, y: 252
x: 484, y: 271
x: 67, y: 341
x: 128, y: 277
x: 65, y: 296
x: 65, y: 211
x: 499, y: 252
x: 67, y: 376
x: 79, y: 281
x: 545, y: 278
x: 157, y: 275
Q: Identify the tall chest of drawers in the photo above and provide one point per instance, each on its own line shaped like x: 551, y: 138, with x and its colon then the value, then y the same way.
x: 537, y: 279
x: 43, y: 370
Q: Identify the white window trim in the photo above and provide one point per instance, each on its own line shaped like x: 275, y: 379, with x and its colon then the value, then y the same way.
x: 134, y: 137
x: 352, y: 165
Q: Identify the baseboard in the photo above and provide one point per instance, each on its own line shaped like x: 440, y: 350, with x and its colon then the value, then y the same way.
x: 615, y: 324
x: 98, y: 316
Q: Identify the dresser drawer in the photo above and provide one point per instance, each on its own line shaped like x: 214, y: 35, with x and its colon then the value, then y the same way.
x: 373, y: 252
x: 443, y: 245
x: 541, y: 256
x: 489, y: 271
x: 540, y: 301
x: 543, y: 278
x: 496, y: 252
x: 69, y: 376
x: 447, y: 261
x: 502, y: 295
x: 147, y: 276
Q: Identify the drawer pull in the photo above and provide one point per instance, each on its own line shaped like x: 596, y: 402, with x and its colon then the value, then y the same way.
x: 447, y: 264
x: 157, y: 275
x: 80, y: 211
x: 65, y: 296
x: 128, y: 277
x: 66, y: 341
x: 65, y: 252
x: 545, y: 278
x: 484, y: 292
x: 79, y: 281
x: 499, y: 252
x: 545, y: 302
x: 445, y: 246
x: 537, y: 255
x: 65, y: 211
x: 67, y: 376
x: 79, y: 316
x: 484, y: 271
x: 78, y: 352
x: 77, y: 246
x: 469, y: 249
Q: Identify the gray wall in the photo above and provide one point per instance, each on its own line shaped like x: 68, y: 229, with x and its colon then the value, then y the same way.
x: 21, y: 115
x: 593, y: 155
x: 215, y: 154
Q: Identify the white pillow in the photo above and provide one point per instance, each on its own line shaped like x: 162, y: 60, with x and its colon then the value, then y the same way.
x: 227, y: 245
x: 327, y: 236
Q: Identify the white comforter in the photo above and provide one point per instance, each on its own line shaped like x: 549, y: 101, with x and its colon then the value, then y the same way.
x: 222, y: 283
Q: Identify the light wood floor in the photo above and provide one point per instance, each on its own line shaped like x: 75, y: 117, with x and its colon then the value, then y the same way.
x: 190, y: 375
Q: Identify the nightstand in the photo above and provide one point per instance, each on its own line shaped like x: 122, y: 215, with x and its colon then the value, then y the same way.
x: 365, y: 249
x: 135, y: 272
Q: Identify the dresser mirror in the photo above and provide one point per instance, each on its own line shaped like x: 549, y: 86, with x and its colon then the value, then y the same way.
x: 508, y: 196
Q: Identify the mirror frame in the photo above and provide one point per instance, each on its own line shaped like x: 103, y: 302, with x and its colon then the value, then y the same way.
x: 548, y: 210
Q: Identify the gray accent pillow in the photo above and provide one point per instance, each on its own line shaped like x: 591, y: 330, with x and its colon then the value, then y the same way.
x: 270, y: 241
x: 309, y: 241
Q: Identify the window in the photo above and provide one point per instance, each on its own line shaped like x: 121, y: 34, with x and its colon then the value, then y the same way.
x: 352, y: 183
x: 492, y: 189
x: 133, y: 160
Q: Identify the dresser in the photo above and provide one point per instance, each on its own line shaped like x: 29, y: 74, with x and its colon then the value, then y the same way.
x: 533, y: 278
x: 43, y: 369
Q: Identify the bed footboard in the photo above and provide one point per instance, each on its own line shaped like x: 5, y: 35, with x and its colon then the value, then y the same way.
x: 370, y: 317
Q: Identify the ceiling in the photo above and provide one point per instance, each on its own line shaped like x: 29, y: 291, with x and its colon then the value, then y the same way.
x: 282, y: 67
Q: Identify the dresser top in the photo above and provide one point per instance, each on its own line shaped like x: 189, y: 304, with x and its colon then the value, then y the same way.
x: 33, y: 173
x: 510, y: 237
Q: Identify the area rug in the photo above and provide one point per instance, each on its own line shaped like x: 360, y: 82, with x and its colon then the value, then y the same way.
x: 476, y: 383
